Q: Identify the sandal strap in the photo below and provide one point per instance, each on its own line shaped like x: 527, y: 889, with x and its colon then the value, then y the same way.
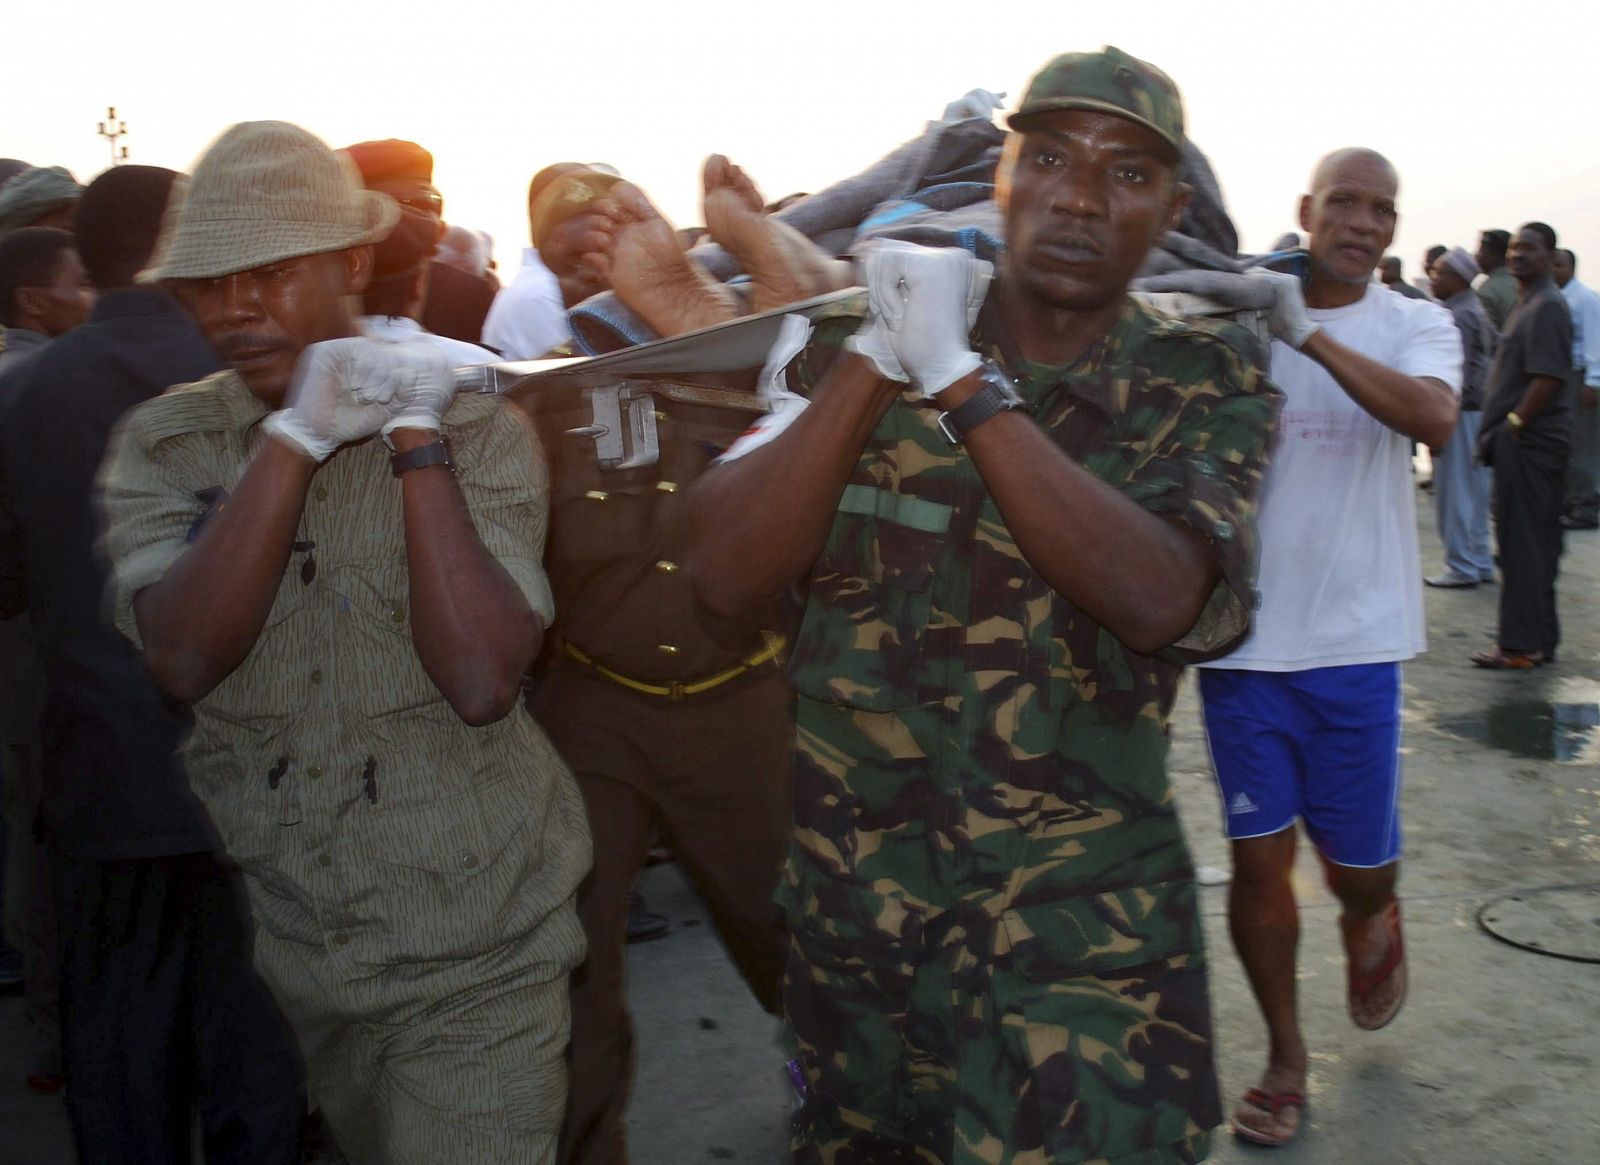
x: 1273, y: 1103
x: 1363, y: 985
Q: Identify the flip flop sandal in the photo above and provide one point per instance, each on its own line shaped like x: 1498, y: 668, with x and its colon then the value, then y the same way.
x: 1362, y: 986
x: 1271, y: 1103
x: 1499, y: 660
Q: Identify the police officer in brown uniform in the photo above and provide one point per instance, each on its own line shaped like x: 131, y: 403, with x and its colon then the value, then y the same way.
x: 671, y: 718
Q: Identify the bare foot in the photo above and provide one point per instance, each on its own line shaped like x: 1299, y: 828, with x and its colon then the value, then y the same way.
x: 1375, y: 955
x: 1270, y: 1113
x: 648, y: 270
x: 784, y: 266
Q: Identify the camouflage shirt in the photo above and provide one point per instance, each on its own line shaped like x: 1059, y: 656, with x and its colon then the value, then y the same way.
x: 981, y: 772
x: 922, y: 604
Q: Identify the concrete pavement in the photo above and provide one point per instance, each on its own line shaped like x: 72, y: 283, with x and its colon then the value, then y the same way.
x: 1494, y: 1058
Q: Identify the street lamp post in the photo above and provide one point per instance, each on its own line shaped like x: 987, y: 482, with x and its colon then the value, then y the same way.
x: 111, y: 129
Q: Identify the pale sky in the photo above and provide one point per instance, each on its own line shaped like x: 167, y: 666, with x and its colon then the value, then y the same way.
x: 1487, y: 109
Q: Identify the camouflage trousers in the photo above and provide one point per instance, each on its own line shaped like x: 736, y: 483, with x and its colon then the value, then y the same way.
x: 947, y: 1012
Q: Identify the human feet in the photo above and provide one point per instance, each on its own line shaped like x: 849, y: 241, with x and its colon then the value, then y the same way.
x: 646, y: 266
x: 1375, y: 967
x: 1270, y: 1113
x: 784, y: 266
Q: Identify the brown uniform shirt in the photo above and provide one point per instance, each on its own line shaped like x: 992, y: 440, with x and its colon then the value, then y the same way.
x: 616, y: 548
x: 369, y: 819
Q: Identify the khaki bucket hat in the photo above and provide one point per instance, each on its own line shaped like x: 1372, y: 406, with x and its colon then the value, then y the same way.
x: 266, y: 191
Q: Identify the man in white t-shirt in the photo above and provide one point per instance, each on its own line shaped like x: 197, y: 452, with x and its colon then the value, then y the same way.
x: 528, y: 317
x: 569, y: 218
x: 1304, y: 719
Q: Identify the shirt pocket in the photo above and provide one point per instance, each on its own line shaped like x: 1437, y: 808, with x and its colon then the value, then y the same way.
x: 248, y: 797
x: 372, y: 659
x: 860, y: 643
x: 1105, y: 1021
x: 445, y: 878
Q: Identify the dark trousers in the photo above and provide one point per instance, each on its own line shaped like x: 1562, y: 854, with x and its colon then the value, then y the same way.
x: 1583, y: 471
x: 712, y: 773
x: 1529, y: 478
x: 30, y: 916
x: 162, y: 1016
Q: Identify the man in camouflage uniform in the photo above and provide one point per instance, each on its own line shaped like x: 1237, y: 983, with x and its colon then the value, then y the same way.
x: 995, y: 952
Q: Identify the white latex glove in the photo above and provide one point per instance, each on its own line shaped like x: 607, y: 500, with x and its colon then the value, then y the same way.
x: 1287, y: 319
x: 871, y: 342
x: 973, y: 103
x: 927, y: 299
x: 794, y: 332
x: 426, y: 387
x: 342, y: 391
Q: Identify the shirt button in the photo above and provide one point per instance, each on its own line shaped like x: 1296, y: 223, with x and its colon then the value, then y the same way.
x: 340, y: 940
x: 469, y: 861
x: 314, y: 772
x: 667, y: 487
x: 316, y: 676
x: 667, y: 648
x: 320, y: 493
x: 324, y: 859
x: 666, y: 567
x: 397, y: 614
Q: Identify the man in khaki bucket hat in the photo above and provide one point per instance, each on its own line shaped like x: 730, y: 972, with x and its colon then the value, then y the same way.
x: 336, y: 564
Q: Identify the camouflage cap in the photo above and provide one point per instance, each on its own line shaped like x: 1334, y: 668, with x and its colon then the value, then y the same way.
x: 1109, y: 81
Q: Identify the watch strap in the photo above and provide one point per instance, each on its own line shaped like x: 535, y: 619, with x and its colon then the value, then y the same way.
x: 433, y: 453
x: 998, y: 395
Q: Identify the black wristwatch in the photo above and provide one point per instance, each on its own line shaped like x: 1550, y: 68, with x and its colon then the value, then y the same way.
x: 433, y: 453
x: 998, y: 395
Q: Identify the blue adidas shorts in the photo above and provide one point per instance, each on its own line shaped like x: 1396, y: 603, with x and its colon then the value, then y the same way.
x: 1321, y: 745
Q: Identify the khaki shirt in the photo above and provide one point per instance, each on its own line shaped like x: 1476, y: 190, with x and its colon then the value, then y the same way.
x: 368, y: 817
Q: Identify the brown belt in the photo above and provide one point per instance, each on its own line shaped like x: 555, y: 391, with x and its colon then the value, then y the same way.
x: 678, y: 689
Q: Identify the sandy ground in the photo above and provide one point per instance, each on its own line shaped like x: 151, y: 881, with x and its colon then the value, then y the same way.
x: 1493, y: 1060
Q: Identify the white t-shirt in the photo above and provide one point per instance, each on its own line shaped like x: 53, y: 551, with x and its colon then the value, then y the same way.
x: 1341, y: 573
x: 402, y: 330
x: 527, y: 318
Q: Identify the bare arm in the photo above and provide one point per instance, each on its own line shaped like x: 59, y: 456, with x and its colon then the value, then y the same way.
x: 201, y: 620
x: 1418, y: 407
x: 760, y: 521
x: 1537, y: 396
x: 1140, y: 576
x: 474, y: 631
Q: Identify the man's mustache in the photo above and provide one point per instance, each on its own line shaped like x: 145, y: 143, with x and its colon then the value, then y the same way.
x: 246, y: 343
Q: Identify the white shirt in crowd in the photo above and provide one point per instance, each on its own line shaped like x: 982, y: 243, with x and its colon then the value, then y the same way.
x: 1584, y: 305
x: 1341, y: 573
x: 400, y: 329
x: 528, y: 318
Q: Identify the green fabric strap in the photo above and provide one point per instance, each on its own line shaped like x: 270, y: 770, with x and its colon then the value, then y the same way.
x: 915, y: 513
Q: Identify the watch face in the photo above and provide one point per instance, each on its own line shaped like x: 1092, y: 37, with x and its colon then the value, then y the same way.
x: 994, y: 376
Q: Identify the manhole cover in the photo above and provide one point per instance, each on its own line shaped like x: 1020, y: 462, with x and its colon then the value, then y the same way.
x: 1563, y: 921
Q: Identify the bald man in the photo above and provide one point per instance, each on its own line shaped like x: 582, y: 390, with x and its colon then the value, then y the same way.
x: 1304, y: 719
